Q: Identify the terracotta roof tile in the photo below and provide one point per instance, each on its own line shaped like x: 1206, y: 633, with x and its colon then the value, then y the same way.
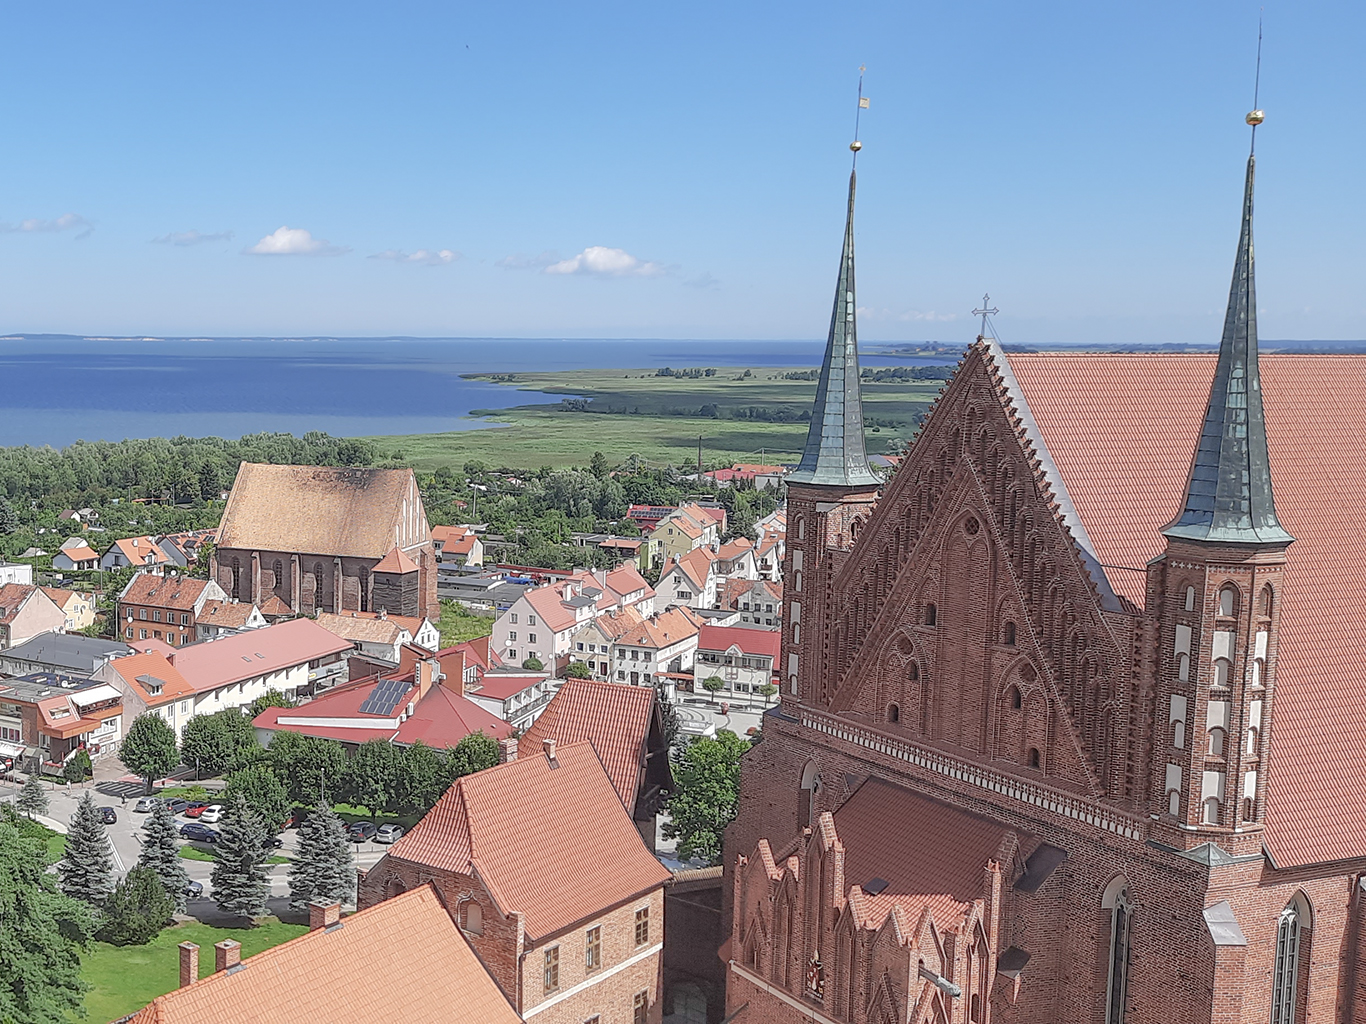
x: 210, y: 664
x: 136, y: 549
x: 760, y: 642
x: 553, y: 842
x: 155, y: 590
x: 663, y: 630
x: 396, y: 562
x: 140, y: 671
x: 362, y: 628
x: 1121, y: 429
x: 403, y: 959
x: 225, y: 614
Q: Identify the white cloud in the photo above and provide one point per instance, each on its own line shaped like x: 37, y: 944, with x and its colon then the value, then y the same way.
x: 521, y: 261
x: 66, y: 222
x: 192, y: 237
x: 286, y: 241
x: 601, y: 261
x: 426, y: 257
x: 703, y: 280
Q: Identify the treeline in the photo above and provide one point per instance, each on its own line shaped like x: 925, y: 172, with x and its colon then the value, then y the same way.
x: 898, y: 374
x: 692, y: 373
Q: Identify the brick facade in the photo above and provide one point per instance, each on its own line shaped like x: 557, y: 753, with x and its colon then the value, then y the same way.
x: 310, y: 583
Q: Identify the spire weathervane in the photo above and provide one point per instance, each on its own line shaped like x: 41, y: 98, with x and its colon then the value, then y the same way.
x: 855, y: 146
x: 986, y: 311
x: 1256, y: 115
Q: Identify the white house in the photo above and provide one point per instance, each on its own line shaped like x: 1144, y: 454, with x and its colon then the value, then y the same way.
x: 518, y: 698
x: 689, y: 580
x: 743, y: 658
x: 657, y: 650
x: 75, y: 554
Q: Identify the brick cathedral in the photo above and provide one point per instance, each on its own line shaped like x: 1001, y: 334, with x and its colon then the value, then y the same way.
x: 1073, y: 724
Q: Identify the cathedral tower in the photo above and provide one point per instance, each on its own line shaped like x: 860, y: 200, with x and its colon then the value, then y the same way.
x: 1218, y: 592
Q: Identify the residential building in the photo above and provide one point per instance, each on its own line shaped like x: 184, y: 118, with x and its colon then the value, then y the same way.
x: 744, y: 658
x: 542, y: 622
x: 69, y: 654
x: 403, y: 959
x: 25, y: 611
x: 417, y: 701
x: 77, y: 605
x: 167, y: 607
x: 592, y: 644
x: 658, y: 650
x: 46, y: 717
x: 541, y: 865
x: 458, y: 545
x: 327, y: 539
x: 759, y: 602
x: 139, y: 551
x: 148, y: 682
x: 690, y: 580
x: 688, y: 526
x: 15, y: 572
x: 761, y: 476
x: 75, y: 554
x: 736, y: 560
x: 183, y: 548
x: 1078, y: 686
x: 515, y: 697
x: 218, y: 618
x: 626, y: 728
x: 647, y: 517
x: 380, y: 634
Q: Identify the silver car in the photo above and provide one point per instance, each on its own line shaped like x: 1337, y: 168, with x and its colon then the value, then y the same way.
x: 388, y: 833
x: 146, y: 805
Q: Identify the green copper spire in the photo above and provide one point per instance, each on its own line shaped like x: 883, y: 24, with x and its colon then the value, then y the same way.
x: 1228, y: 494
x: 834, y: 452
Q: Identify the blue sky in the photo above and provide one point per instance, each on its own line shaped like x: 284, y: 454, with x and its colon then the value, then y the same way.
x: 462, y: 169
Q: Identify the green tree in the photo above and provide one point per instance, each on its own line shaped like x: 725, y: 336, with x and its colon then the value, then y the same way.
x: 578, y: 670
x: 33, y: 797
x: 598, y: 466
x: 706, y: 795
x: 421, y: 780
x: 532, y: 664
x: 9, y: 520
x: 767, y: 691
x: 713, y: 685
x: 241, y: 883
x: 269, y: 699
x: 206, y: 745
x: 310, y: 767
x: 260, y: 790
x: 86, y: 871
x: 43, y: 934
x: 78, y: 767
x: 137, y: 910
x: 473, y: 753
x: 323, y: 867
x: 149, y: 749
x: 161, y: 853
x: 371, y: 776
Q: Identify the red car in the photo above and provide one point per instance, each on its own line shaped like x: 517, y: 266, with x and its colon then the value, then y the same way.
x: 195, y: 809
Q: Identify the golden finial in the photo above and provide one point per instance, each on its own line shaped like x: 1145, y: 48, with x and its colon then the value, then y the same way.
x: 856, y: 145
x: 1256, y: 117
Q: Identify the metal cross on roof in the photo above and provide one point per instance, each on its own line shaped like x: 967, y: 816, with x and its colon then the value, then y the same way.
x: 985, y: 312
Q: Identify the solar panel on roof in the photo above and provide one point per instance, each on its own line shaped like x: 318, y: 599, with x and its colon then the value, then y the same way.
x: 384, y: 697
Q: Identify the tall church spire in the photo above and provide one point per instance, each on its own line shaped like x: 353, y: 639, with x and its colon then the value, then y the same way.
x: 834, y: 453
x: 1228, y: 493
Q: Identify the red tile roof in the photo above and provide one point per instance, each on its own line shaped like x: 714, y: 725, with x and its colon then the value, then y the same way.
x: 404, y: 959
x: 757, y: 642
x: 695, y: 565
x: 13, y: 597
x: 663, y: 630
x: 210, y: 664
x: 502, y: 685
x: 79, y: 553
x: 614, y: 717
x: 136, y: 549
x: 155, y: 590
x: 445, y: 717
x: 1121, y: 430
x: 536, y: 836
x: 396, y: 562
x: 137, y: 670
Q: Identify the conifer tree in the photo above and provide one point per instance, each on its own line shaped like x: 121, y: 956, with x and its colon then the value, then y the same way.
x: 86, y: 871
x: 137, y: 909
x: 33, y: 797
x: 161, y: 853
x: 241, y: 882
x: 323, y: 868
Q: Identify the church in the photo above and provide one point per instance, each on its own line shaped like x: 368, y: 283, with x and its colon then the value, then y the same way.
x: 1071, y: 725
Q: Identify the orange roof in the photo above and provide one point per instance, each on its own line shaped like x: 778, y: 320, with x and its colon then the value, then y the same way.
x: 79, y: 553
x: 447, y: 534
x: 59, y: 596
x: 228, y: 614
x: 404, y: 959
x: 273, y: 606
x: 696, y: 565
x: 735, y: 548
x: 153, y: 589
x: 663, y: 630
x: 614, y: 624
x: 396, y: 562
x: 614, y: 717
x: 13, y: 597
x: 535, y: 834
x: 141, y: 671
x: 136, y: 549
x: 1121, y: 430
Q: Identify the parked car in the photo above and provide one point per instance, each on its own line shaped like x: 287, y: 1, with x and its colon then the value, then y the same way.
x: 145, y: 805
x: 272, y: 842
x: 108, y: 815
x: 360, y: 831
x: 195, y: 809
x: 194, y: 890
x: 211, y: 814
x: 177, y: 804
x: 388, y: 833
x: 195, y: 832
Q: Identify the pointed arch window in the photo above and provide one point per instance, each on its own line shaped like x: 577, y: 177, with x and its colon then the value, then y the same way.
x: 1218, y: 742
x: 806, y: 799
x: 1228, y: 602
x: 1118, y: 902
x: 1285, y: 978
x: 1266, y: 602
x: 1190, y: 599
x: 1016, y: 700
x: 1010, y: 634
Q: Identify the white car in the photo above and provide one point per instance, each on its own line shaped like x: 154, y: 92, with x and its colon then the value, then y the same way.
x: 212, y: 813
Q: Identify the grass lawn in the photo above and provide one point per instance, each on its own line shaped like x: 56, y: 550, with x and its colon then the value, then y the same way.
x: 195, y: 853
x: 56, y: 846
x: 126, y: 978
x: 349, y: 813
x: 187, y: 792
x: 458, y: 623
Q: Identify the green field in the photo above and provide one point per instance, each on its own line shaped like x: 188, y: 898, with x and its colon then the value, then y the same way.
x: 126, y: 978
x: 741, y: 415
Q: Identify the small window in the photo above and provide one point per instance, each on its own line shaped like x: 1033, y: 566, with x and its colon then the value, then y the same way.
x: 512, y: 636
x: 1174, y: 802
x: 1266, y: 603
x: 513, y: 617
x: 156, y: 614
x: 1034, y: 760
x: 580, y: 646
x: 1249, y: 809
x: 142, y: 634
x: 1010, y: 634
x: 1253, y: 740
x: 1258, y: 671
x: 1183, y: 667
x: 531, y: 638
x: 642, y: 926
x: 1190, y: 599
x: 552, y: 968
x: 1210, y: 810
x: 592, y: 949
x: 1016, y: 700
x: 1223, y: 671
x: 893, y: 713
x: 913, y: 672
x: 1217, y: 741
x: 1228, y: 601
x: 142, y: 614
x: 531, y: 620
x: 931, y: 615
x: 640, y: 1008
x: 474, y: 918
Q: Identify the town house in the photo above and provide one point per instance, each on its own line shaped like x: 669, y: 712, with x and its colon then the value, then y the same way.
x: 592, y: 645
x: 744, y: 658
x: 759, y: 602
x: 690, y: 580
x: 137, y: 551
x: 26, y: 611
x: 46, y: 717
x: 156, y: 607
x: 68, y: 654
x: 658, y: 650
x: 380, y: 634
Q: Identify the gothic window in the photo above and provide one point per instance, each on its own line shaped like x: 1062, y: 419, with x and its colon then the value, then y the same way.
x: 1286, y: 975
x: 796, y: 634
x: 1183, y: 667
x: 1259, y: 672
x: 913, y: 672
x: 1174, y: 802
x: 1190, y: 599
x: 474, y: 917
x: 806, y: 802
x: 975, y: 1011
x: 931, y: 615
x: 801, y: 528
x: 1249, y: 808
x: 1253, y: 739
x: 1034, y: 760
x: 1223, y: 671
x: 1265, y: 604
x: 1016, y: 701
x: 1228, y: 601
x: 1010, y: 634
x: 236, y: 577
x: 893, y: 713
x: 1121, y: 908
x: 279, y: 573
x: 1217, y: 741
x: 1210, y: 810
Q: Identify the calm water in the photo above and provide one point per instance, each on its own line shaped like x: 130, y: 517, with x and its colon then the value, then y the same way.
x: 55, y: 390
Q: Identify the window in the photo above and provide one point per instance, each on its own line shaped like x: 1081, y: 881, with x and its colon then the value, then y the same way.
x: 893, y: 713
x: 1286, y: 975
x: 512, y: 636
x: 1121, y: 921
x: 513, y: 618
x: 1010, y: 634
x: 1190, y: 599
x: 512, y: 654
x: 642, y: 926
x: 1265, y: 605
x: 142, y: 634
x: 531, y: 638
x: 1174, y: 802
x: 184, y: 707
x: 640, y: 1007
x: 592, y: 948
x: 531, y: 620
x: 142, y: 614
x: 1034, y: 758
x: 579, y: 646
x: 128, y: 632
x: 184, y: 618
x: 552, y: 968
x: 474, y: 917
x: 1217, y: 740
x: 1223, y: 671
x: 931, y: 615
x: 1228, y: 601
x: 1016, y: 701
x: 156, y: 633
x: 156, y: 614
x: 1210, y: 810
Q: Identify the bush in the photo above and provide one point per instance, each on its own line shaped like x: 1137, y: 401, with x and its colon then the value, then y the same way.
x: 137, y: 910
x: 79, y: 768
x: 578, y: 670
x: 533, y: 664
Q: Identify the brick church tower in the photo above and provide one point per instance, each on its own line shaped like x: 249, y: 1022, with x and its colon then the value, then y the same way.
x: 1025, y: 768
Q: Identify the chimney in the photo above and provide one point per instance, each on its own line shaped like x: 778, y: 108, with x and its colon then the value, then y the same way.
x: 384, y: 613
x: 508, y: 749
x: 226, y: 954
x: 323, y: 915
x: 549, y: 746
x: 427, y: 672
x: 189, y: 963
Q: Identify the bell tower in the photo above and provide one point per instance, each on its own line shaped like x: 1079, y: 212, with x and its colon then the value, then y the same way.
x: 1217, y: 590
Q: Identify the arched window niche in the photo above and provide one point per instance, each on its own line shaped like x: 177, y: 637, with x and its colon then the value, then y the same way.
x: 1118, y: 906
